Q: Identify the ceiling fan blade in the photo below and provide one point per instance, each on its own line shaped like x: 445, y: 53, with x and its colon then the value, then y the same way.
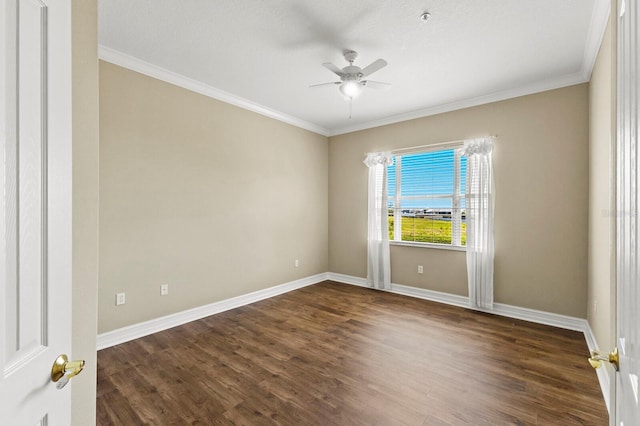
x: 373, y: 67
x: 376, y: 84
x: 333, y: 83
x: 333, y: 69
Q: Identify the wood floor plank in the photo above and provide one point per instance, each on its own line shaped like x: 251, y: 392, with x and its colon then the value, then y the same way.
x: 333, y: 354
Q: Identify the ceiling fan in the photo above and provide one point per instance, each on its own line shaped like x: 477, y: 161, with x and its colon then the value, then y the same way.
x: 351, y: 77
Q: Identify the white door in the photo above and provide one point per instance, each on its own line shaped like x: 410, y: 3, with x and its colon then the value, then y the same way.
x: 35, y: 214
x: 627, y: 409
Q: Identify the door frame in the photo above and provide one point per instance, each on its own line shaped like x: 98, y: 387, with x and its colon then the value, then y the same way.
x: 627, y: 217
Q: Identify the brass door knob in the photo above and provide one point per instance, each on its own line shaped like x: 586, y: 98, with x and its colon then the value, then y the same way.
x: 597, y: 357
x: 61, y: 367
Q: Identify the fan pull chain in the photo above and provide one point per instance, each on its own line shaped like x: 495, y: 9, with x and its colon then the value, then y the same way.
x: 350, y: 107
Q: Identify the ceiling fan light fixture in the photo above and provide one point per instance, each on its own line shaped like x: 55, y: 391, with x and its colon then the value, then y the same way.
x: 351, y: 88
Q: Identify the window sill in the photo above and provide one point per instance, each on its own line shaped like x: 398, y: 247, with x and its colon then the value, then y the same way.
x: 427, y: 245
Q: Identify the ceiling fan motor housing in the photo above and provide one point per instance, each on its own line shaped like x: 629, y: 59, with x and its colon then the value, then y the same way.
x: 350, y: 55
x: 352, y: 73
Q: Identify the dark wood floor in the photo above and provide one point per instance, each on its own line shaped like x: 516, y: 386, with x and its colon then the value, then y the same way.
x: 334, y: 354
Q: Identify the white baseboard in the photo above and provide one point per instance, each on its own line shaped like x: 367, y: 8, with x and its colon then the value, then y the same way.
x: 420, y: 293
x: 347, y: 279
x: 434, y: 296
x: 602, y: 372
x: 541, y: 317
x: 142, y: 329
x: 532, y: 315
x: 135, y: 331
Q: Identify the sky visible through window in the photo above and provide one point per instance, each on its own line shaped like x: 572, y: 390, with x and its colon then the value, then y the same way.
x: 427, y: 175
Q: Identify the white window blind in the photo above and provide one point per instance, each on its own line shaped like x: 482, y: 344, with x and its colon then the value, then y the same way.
x: 426, y: 197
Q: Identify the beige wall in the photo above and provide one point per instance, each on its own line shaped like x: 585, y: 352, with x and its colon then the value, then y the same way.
x: 541, y: 174
x: 85, y: 206
x: 214, y: 200
x: 602, y: 222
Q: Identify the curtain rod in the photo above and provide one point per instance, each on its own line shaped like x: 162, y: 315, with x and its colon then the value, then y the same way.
x: 435, y: 145
x: 425, y: 147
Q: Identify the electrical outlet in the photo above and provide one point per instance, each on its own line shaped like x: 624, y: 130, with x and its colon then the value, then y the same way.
x: 296, y: 263
x: 420, y: 269
x: 120, y: 299
x: 164, y: 289
x: 595, y: 307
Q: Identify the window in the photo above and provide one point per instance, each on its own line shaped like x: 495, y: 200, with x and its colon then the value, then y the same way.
x: 426, y: 198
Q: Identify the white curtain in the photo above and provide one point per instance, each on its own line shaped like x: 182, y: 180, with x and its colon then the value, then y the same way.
x: 479, y: 200
x: 378, y: 258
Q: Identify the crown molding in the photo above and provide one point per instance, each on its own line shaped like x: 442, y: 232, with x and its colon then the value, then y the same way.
x: 597, y: 28
x: 599, y: 18
x: 126, y: 61
x: 542, y: 86
x: 134, y: 64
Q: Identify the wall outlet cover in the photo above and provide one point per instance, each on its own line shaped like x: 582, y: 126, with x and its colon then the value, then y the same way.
x: 120, y: 299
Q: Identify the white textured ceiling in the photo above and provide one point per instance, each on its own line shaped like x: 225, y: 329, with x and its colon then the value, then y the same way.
x: 263, y: 55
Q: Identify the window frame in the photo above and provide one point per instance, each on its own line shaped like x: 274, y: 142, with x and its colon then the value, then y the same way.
x: 456, y: 198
